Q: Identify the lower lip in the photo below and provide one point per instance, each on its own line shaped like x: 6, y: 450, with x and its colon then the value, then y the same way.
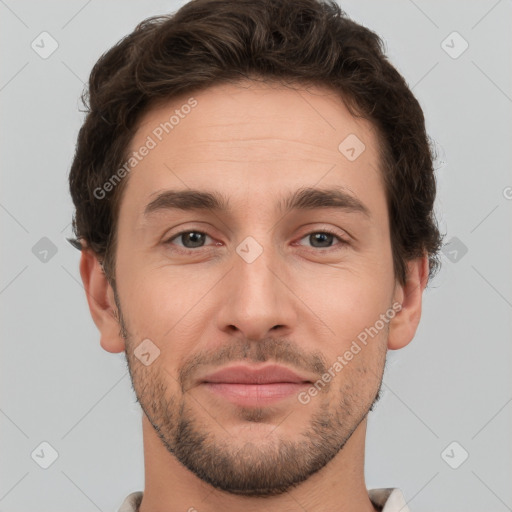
x: 255, y: 394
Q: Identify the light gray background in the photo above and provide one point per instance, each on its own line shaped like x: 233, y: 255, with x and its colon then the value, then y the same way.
x: 452, y: 383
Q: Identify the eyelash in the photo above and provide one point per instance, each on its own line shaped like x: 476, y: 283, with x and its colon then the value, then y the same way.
x: 327, y: 231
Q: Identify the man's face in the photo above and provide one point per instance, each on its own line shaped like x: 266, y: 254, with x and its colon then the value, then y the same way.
x: 255, y: 283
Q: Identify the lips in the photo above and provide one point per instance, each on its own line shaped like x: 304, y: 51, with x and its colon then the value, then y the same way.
x: 243, y: 374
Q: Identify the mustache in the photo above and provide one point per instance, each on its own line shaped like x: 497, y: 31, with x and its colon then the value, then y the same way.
x: 275, y: 350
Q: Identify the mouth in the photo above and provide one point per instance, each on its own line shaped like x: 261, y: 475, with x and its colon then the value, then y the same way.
x: 255, y: 394
x: 255, y: 386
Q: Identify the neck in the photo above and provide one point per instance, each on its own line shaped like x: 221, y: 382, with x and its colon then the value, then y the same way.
x: 338, y: 486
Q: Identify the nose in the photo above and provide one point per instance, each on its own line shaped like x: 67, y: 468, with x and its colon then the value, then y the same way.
x: 256, y: 298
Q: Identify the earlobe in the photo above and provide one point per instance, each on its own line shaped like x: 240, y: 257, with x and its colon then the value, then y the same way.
x: 100, y: 297
x: 403, y: 326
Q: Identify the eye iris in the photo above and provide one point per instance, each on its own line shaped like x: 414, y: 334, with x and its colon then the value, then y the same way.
x: 321, y: 237
x: 197, y: 239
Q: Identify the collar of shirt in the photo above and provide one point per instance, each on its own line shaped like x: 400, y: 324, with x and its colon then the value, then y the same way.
x: 385, y: 500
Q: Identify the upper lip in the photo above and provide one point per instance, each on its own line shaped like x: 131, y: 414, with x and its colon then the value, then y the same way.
x: 243, y: 374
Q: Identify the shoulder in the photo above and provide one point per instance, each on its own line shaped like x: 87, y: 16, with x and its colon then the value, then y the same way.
x: 132, y: 502
x: 388, y: 499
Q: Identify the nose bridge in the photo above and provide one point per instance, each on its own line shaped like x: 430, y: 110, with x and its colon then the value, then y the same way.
x: 254, y: 269
x: 257, y: 299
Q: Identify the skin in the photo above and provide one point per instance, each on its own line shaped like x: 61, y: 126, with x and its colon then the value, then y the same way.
x: 300, y: 303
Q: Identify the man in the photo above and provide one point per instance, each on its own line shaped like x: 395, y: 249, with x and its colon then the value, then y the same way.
x: 254, y: 205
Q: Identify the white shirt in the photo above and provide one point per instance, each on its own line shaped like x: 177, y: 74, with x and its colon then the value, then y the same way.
x: 385, y: 500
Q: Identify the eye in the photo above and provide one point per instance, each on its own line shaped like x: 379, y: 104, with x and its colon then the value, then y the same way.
x: 323, y: 239
x: 191, y: 239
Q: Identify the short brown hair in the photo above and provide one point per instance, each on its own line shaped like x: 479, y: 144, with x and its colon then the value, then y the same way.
x: 208, y: 42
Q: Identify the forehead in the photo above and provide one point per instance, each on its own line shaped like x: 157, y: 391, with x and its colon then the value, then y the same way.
x: 253, y: 139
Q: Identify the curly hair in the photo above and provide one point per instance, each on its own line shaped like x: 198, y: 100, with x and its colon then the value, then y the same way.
x: 207, y: 42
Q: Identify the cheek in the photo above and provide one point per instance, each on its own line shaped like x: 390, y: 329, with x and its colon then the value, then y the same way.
x: 351, y: 305
x: 163, y: 304
x: 355, y: 353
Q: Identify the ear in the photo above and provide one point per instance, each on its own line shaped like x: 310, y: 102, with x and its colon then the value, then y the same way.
x: 403, y: 326
x: 100, y: 297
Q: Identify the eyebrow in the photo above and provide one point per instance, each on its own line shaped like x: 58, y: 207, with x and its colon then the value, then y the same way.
x: 302, y: 199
